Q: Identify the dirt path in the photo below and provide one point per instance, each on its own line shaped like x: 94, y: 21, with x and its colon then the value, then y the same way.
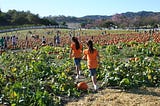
x: 116, y: 97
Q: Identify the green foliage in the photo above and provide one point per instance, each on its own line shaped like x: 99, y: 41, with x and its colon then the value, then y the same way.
x: 143, y: 71
x: 40, y: 78
x: 36, y: 78
x: 133, y: 74
x: 112, y: 49
x: 108, y: 24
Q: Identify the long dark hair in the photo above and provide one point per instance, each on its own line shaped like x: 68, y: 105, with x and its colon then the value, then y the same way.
x: 75, y: 40
x: 90, y: 45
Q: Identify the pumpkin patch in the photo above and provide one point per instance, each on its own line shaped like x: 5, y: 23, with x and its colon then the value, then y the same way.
x: 45, y: 75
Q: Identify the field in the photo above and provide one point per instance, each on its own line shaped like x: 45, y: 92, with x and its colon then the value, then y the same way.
x: 44, y: 75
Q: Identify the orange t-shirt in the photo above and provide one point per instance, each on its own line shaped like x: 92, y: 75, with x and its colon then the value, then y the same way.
x: 91, y: 58
x: 76, y: 53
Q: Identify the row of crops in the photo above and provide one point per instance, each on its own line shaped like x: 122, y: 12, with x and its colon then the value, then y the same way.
x: 35, y: 78
x: 132, y: 66
x: 44, y: 77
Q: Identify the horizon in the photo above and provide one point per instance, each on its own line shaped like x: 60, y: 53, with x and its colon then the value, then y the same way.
x: 79, y: 8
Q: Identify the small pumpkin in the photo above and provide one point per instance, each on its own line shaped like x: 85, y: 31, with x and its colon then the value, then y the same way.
x: 59, y: 57
x: 82, y: 86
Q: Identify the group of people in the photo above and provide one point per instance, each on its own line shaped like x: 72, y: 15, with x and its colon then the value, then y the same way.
x: 90, y: 54
x: 7, y: 42
x: 4, y: 42
x: 56, y: 39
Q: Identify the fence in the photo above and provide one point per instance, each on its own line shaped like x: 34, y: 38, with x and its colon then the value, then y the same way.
x: 32, y: 27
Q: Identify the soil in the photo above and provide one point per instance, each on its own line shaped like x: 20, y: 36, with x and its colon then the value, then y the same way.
x: 116, y: 97
x: 112, y: 96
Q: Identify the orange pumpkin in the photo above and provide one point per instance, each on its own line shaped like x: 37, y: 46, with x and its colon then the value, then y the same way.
x: 50, y: 52
x: 136, y: 59
x: 35, y: 48
x: 59, y: 57
x: 82, y: 86
x: 132, y: 59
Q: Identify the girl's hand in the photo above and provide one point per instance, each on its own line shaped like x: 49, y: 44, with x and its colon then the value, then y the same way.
x: 84, y: 57
x: 70, y: 56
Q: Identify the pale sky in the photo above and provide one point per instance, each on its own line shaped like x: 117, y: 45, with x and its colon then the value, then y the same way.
x: 79, y: 8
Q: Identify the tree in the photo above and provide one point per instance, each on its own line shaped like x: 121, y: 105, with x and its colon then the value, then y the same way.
x: 63, y: 23
x: 83, y: 25
x: 33, y: 19
x: 108, y: 24
x: 4, y: 19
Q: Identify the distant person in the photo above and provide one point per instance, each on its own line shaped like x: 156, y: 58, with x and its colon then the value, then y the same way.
x: 1, y: 44
x: 43, y: 40
x: 27, y: 41
x: 92, y: 57
x: 54, y: 38
x: 70, y: 34
x: 58, y: 38
x: 14, y: 42
x: 5, y: 43
x: 8, y: 38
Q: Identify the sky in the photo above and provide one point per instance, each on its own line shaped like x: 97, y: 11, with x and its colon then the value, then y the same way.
x: 79, y: 8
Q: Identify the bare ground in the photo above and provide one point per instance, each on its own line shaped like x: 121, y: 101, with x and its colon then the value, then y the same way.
x: 109, y: 96
x: 116, y: 97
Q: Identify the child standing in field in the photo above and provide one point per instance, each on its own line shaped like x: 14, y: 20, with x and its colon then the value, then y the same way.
x: 57, y: 38
x: 92, y: 56
x: 1, y: 44
x: 27, y: 41
x: 76, y: 53
x: 43, y: 40
x: 14, y: 41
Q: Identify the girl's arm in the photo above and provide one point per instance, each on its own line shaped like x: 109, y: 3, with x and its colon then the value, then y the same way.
x: 70, y: 53
x: 84, y: 57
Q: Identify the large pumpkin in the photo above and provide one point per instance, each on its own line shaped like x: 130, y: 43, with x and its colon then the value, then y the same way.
x: 82, y: 86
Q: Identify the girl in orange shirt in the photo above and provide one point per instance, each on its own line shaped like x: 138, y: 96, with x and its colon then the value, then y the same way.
x: 92, y: 56
x: 76, y: 53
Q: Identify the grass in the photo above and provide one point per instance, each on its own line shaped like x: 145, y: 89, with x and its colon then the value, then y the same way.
x: 64, y: 32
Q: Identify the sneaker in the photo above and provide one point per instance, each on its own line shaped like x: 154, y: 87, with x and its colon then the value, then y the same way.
x: 79, y: 72
x: 77, y: 76
x: 89, y: 75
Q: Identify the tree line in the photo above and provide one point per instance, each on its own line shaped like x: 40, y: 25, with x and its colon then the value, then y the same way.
x: 18, y: 18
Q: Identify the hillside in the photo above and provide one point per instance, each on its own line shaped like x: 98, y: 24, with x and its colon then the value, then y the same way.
x: 128, y: 19
x: 96, y: 17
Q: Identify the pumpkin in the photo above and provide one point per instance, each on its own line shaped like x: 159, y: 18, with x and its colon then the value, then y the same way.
x: 82, y: 86
x: 136, y: 59
x: 49, y: 52
x: 35, y: 48
x: 59, y: 57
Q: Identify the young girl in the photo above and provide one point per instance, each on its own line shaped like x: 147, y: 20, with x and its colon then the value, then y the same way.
x: 76, y: 53
x: 92, y: 56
